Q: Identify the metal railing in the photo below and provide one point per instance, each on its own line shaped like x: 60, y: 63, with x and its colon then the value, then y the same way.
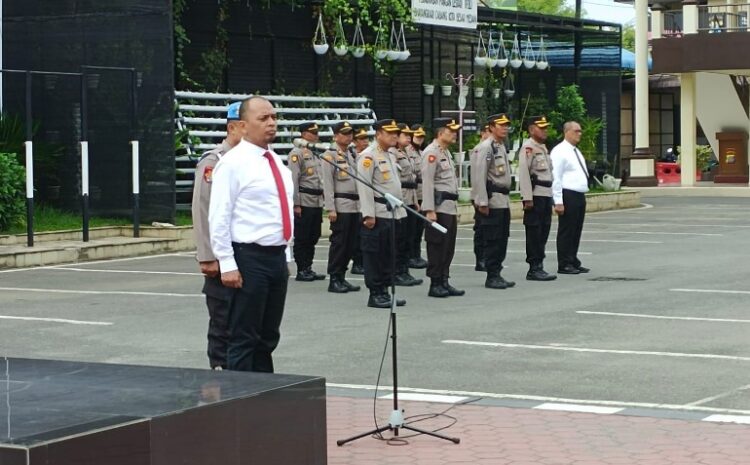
x: 723, y: 18
x: 672, y: 24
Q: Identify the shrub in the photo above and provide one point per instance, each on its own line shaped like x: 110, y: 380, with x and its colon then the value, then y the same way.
x: 12, y: 184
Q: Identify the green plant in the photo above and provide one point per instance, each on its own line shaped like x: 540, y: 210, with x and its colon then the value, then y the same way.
x: 12, y: 177
x: 571, y: 106
x: 46, y: 156
x: 704, y: 157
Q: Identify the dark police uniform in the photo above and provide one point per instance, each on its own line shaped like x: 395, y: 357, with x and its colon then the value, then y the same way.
x: 535, y: 180
x: 378, y: 167
x: 308, y: 194
x: 341, y: 197
x: 491, y: 189
x: 217, y: 296
x: 440, y: 194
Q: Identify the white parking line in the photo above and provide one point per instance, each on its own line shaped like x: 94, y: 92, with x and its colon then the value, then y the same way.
x: 648, y: 233
x: 680, y: 225
x: 68, y: 291
x: 93, y: 270
x: 93, y: 262
x: 710, y: 291
x: 662, y: 317
x: 720, y: 396
x: 598, y: 351
x: 743, y: 420
x: 609, y: 241
x: 56, y: 320
x: 494, y: 395
x: 578, y: 408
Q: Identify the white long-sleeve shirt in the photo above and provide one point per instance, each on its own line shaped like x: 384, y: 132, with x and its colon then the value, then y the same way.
x: 245, y: 205
x: 568, y: 170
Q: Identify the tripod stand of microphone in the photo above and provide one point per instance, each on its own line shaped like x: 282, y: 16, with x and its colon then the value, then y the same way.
x: 396, y: 419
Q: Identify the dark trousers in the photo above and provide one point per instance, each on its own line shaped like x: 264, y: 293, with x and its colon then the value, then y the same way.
x: 411, y: 223
x: 570, y: 227
x: 306, y: 234
x: 343, y: 237
x: 537, y: 222
x: 217, y: 301
x: 441, y: 247
x: 478, y: 241
x: 376, y: 254
x: 415, y: 247
x: 357, y: 251
x: 402, y: 245
x: 495, y: 230
x: 256, y: 310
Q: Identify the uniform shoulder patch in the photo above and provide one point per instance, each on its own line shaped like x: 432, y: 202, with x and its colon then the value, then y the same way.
x: 529, y: 150
x: 367, y: 162
x: 431, y: 159
x: 295, y: 158
x: 328, y: 157
x: 208, y: 174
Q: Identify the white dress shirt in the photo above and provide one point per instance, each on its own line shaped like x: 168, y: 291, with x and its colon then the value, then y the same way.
x: 245, y: 204
x: 568, y: 170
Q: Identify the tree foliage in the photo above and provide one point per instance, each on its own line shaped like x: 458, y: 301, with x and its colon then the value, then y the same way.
x: 12, y: 183
x: 547, y: 7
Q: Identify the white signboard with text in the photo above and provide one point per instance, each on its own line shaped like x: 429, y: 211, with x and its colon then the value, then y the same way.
x: 450, y: 13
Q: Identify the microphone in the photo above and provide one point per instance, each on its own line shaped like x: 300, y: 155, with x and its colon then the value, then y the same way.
x: 303, y: 144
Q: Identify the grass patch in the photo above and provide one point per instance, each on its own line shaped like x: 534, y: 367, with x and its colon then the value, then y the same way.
x: 52, y: 219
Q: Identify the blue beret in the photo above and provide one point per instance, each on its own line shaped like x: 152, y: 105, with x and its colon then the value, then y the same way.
x: 233, y: 111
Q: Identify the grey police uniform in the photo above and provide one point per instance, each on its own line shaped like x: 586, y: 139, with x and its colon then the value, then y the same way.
x: 217, y: 296
x: 379, y: 167
x: 416, y: 225
x: 490, y: 188
x: 440, y: 194
x: 308, y: 194
x: 535, y: 179
x: 341, y: 196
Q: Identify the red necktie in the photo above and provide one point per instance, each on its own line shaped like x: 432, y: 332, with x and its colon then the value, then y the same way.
x: 282, y: 196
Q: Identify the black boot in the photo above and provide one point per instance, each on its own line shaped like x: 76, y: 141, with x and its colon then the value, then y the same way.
x: 417, y: 263
x: 537, y: 273
x: 437, y: 289
x: 305, y: 275
x: 337, y: 285
x: 316, y: 276
x: 494, y: 281
x: 399, y: 302
x: 378, y: 299
x: 403, y: 279
x: 452, y: 291
x: 349, y: 286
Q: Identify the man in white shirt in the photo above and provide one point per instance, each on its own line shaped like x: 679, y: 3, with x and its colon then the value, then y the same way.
x: 569, y: 186
x: 251, y: 222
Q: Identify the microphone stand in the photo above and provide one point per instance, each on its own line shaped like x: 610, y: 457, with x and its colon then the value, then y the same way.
x: 396, y: 419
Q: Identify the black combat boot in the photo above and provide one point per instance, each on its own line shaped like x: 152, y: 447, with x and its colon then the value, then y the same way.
x: 452, y: 291
x: 494, y: 281
x: 537, y: 273
x: 351, y: 287
x: 437, y: 289
x: 337, y: 285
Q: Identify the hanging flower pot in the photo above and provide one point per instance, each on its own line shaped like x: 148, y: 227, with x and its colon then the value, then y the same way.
x: 478, y: 92
x: 542, y: 65
x: 446, y: 90
x: 491, y: 52
x: 529, y: 60
x: 496, y: 93
x: 463, y: 91
x: 381, y: 46
x: 358, y: 41
x: 340, y: 50
x: 401, y: 42
x: 502, y: 53
x: 320, y: 43
x: 429, y: 89
x: 381, y: 54
x: 340, y: 47
x: 480, y: 61
x: 515, y: 54
x: 542, y: 62
x: 480, y: 58
x: 394, y: 52
x: 509, y: 93
x: 393, y: 55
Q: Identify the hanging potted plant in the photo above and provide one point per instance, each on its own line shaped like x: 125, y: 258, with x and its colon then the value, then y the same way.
x: 515, y: 54
x: 478, y: 91
x: 529, y: 58
x: 502, y: 52
x: 340, y: 45
x: 446, y: 89
x: 358, y: 41
x: 394, y: 51
x: 320, y: 43
x: 509, y: 89
x: 480, y: 58
x: 429, y: 87
x: 381, y: 47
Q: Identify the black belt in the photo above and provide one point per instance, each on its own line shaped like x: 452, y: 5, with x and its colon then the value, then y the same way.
x: 344, y: 195
x: 409, y: 184
x: 308, y: 190
x: 441, y: 196
x: 266, y: 249
x: 419, y: 180
x: 494, y: 188
x: 536, y: 182
x: 381, y: 200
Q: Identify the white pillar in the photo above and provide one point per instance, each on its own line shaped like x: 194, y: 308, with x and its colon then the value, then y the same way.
x: 690, y: 16
x: 688, y: 129
x: 657, y: 23
x: 641, y: 75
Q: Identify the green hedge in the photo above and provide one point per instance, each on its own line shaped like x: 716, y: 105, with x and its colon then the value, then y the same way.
x: 12, y: 185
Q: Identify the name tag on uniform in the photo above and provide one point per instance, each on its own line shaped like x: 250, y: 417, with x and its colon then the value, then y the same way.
x: 445, y: 164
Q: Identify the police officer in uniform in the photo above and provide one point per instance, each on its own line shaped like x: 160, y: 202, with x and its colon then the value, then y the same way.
x: 439, y: 204
x: 342, y: 204
x: 535, y: 180
x: 378, y: 166
x: 478, y: 254
x: 406, y: 228
x: 217, y: 296
x: 308, y: 203
x: 414, y: 151
x: 361, y: 142
x: 490, y: 194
